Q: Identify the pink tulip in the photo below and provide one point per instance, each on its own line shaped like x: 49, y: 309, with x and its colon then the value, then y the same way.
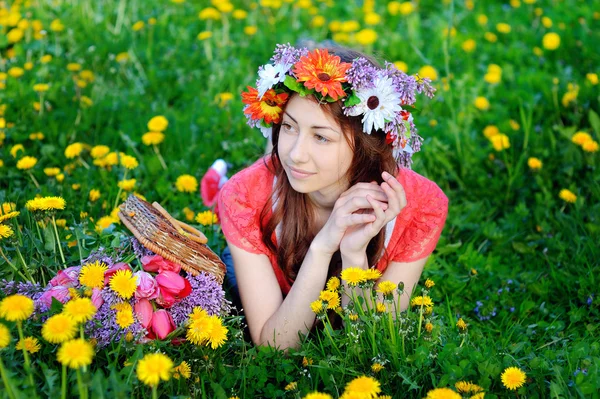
x: 67, y: 277
x: 115, y: 268
x: 144, y: 312
x: 147, y: 287
x: 59, y: 292
x: 162, y: 323
x: 158, y: 264
x: 97, y: 299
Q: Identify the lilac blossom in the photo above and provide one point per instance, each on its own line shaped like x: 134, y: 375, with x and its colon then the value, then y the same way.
x: 361, y: 74
x: 287, y: 55
x: 206, y: 293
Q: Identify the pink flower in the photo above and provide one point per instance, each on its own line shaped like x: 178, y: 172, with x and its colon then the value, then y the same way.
x: 144, y: 312
x: 162, y: 323
x: 147, y: 287
x: 61, y: 293
x: 97, y: 299
x: 115, y: 268
x: 172, y: 287
x: 67, y: 277
x: 158, y: 264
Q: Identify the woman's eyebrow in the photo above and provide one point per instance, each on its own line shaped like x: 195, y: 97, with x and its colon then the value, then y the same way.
x: 312, y: 127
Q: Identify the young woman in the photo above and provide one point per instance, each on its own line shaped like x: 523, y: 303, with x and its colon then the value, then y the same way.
x: 336, y: 191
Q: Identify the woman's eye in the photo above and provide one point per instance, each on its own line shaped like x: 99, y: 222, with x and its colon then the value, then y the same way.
x: 321, y: 139
x: 286, y: 126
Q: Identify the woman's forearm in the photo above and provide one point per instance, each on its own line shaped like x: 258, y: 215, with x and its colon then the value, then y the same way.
x: 294, y: 315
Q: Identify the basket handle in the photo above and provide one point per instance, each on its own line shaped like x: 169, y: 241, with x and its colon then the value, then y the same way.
x: 181, y: 227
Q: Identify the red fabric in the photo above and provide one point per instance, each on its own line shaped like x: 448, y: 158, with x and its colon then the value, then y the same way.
x: 415, y: 235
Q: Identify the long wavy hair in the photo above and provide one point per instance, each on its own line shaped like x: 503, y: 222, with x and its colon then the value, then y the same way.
x: 371, y: 156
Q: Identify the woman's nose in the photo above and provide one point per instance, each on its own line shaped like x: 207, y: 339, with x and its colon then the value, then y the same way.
x: 299, y: 152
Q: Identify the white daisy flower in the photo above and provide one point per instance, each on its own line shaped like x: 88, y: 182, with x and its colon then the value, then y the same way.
x: 378, y: 104
x: 270, y: 75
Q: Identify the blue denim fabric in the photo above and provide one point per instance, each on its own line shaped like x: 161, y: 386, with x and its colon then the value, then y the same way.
x: 230, y: 276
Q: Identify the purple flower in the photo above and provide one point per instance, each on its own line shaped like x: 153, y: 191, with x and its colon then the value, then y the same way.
x: 361, y: 74
x: 206, y: 293
x: 288, y: 55
x: 139, y: 250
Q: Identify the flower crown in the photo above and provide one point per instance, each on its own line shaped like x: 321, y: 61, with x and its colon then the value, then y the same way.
x: 383, y: 96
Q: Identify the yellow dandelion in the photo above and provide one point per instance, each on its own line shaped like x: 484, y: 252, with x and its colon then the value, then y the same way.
x: 26, y: 163
x: 199, y: 328
x: 467, y: 387
x: 73, y: 150
x: 99, y: 151
x: 333, y: 284
x: 183, y: 370
x: 129, y: 162
x: 75, y: 353
x: 534, y: 163
x: 292, y: 386
x: 369, y: 387
x: 442, y: 393
x: 386, y: 287
x: 424, y: 300
x: 217, y: 336
x: 153, y: 368
x: 91, y: 275
x: 372, y: 274
x: 482, y: 103
x: 124, y: 283
x: 94, y: 195
x: 307, y: 361
x: 5, y: 337
x: 429, y: 283
x: 153, y: 138
x: 206, y: 218
x: 461, y: 325
x: 30, y: 344
x: 124, y: 318
x: 380, y: 308
x: 158, y: 124
x: 428, y: 327
x: 581, y: 138
x: 204, y: 35
x: 186, y: 184
x: 104, y: 223
x: 51, y: 172
x: 500, y: 142
x: 590, y: 146
x: 8, y: 215
x: 377, y: 367
x: 16, y: 307
x: 353, y: 275
x: 567, y: 195
x: 331, y: 297
x: 59, y: 328
x: 6, y: 231
x: 318, y: 395
x: 127, y: 184
x: 513, y: 378
x: 317, y: 307
x: 81, y: 310
x: 551, y: 41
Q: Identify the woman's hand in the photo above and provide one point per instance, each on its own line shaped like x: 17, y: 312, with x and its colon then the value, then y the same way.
x: 357, y: 236
x: 349, y: 210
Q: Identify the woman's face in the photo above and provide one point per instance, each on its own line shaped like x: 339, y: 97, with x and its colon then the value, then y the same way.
x: 313, y: 151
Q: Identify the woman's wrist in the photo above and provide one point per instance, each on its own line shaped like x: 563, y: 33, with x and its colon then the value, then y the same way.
x: 354, y: 259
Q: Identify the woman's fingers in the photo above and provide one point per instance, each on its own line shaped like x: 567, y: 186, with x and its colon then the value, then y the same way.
x: 378, y: 211
x: 357, y: 218
x: 355, y: 204
x: 395, y: 192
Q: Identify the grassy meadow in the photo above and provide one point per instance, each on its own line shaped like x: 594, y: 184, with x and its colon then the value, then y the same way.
x: 101, y: 99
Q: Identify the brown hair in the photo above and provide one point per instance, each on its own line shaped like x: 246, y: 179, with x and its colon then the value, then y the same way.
x: 371, y: 156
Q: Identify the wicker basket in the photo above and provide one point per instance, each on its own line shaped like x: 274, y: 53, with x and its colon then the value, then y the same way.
x: 170, y: 238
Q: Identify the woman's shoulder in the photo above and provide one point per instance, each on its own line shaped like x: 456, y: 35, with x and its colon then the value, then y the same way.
x: 250, y: 186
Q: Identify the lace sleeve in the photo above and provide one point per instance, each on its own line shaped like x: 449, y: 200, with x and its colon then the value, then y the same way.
x: 239, y: 216
x: 423, y: 231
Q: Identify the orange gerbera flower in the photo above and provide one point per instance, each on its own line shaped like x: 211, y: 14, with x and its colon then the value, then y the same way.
x: 268, y: 107
x: 323, y: 72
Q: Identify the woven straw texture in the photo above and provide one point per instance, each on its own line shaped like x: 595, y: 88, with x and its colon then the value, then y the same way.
x: 165, y: 236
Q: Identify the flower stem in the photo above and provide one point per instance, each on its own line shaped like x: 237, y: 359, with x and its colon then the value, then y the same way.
x: 6, y: 381
x: 83, y: 393
x: 34, y: 180
x: 24, y: 265
x: 120, y: 190
x: 12, y: 265
x: 25, y: 354
x: 160, y: 158
x: 62, y: 256
x: 420, y: 320
x: 154, y: 393
x: 63, y: 383
x: 326, y: 328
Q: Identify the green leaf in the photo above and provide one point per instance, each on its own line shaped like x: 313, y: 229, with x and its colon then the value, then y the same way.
x: 595, y: 121
x: 352, y: 100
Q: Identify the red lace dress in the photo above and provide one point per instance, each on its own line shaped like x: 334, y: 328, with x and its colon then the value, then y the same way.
x: 411, y: 236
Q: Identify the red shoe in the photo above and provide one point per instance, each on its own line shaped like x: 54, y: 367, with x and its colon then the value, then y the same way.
x: 212, y: 182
